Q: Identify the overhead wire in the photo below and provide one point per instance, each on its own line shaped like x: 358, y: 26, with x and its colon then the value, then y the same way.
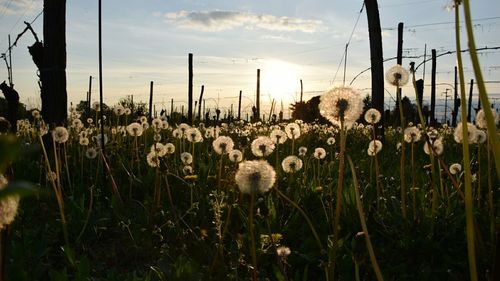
x: 348, y: 42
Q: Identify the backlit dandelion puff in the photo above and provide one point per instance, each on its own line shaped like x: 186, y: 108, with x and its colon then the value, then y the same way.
x: 8, y: 206
x: 412, y: 134
x: 341, y: 104
x: 170, y: 148
x: 455, y: 168
x: 262, y: 146
x: 157, y: 124
x: 302, y: 151
x: 255, y: 177
x: 481, y: 118
x: 372, y: 116
x: 471, y: 131
x: 223, y: 145
x: 437, y: 146
x: 319, y: 153
x: 183, y: 127
x: 481, y: 136
x: 235, y: 156
x: 177, y: 133
x: 330, y: 141
x: 119, y: 110
x: 186, y: 158
x: 135, y: 129
x: 397, y: 76
x: 283, y: 252
x: 292, y: 130
x: 194, y: 135
x: 374, y: 147
x: 291, y: 164
x: 159, y: 149
x: 278, y: 136
x: 60, y: 134
x: 153, y: 159
x: 83, y: 141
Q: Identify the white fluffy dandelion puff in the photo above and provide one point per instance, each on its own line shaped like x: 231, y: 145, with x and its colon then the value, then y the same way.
x: 159, y: 149
x: 372, y: 116
x: 341, y: 104
x: 235, y: 156
x: 278, y: 136
x: 255, y: 176
x: 153, y: 159
x: 223, y: 145
x: 319, y: 153
x: 330, y: 141
x: 292, y: 130
x: 8, y: 206
x: 412, y: 134
x: 437, y: 145
x: 481, y: 119
x: 135, y: 129
x: 194, y: 135
x: 283, y: 251
x: 291, y: 164
x: 302, y: 151
x: 374, y: 147
x: 397, y: 76
x: 262, y: 146
x: 471, y: 131
x: 170, y: 148
x: 60, y: 134
x: 186, y: 158
x: 455, y: 168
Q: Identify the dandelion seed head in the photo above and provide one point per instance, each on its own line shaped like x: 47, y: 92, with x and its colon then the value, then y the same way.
x: 341, y: 104
x: 91, y: 153
x: 283, y: 251
x: 330, y: 141
x: 235, y: 156
x: 8, y: 206
x: 153, y: 159
x: 372, y: 116
x: 292, y: 130
x: 397, y: 76
x: 412, y: 134
x: 255, y: 176
x: 169, y: 148
x: 135, y: 129
x: 374, y: 147
x: 60, y: 134
x: 319, y: 153
x: 262, y: 146
x: 186, y: 158
x: 194, y: 135
x: 455, y: 168
x: 291, y: 164
x: 471, y: 132
x: 437, y: 145
x: 302, y: 151
x: 278, y: 136
x: 223, y: 145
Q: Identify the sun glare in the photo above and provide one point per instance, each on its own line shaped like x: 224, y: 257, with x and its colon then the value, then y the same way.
x: 280, y: 80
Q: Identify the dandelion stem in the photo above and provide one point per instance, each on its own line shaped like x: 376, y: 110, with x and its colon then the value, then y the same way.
x: 361, y: 214
x: 469, y: 203
x: 252, y: 237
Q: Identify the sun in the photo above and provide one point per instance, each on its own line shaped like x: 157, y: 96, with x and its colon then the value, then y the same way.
x: 280, y: 80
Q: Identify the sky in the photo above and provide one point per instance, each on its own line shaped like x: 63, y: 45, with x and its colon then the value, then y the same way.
x: 287, y: 40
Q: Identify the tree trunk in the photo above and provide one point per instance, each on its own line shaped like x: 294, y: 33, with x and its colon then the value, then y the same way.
x: 53, y: 72
x: 376, y: 57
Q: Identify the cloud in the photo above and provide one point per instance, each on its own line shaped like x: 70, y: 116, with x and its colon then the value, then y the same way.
x: 19, y: 7
x: 223, y: 20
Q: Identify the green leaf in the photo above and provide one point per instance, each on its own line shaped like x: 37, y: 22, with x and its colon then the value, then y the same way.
x: 20, y: 188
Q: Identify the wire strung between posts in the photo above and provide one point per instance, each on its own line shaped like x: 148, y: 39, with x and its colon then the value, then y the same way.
x: 344, y: 55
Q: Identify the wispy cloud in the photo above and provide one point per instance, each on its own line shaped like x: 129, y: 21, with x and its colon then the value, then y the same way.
x: 19, y: 7
x: 224, y: 20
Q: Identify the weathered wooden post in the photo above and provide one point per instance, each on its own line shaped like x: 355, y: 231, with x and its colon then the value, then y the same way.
x: 257, y: 100
x: 399, y: 60
x: 456, y: 103
x: 239, y: 106
x: 376, y: 57
x: 89, y: 95
x: 199, y: 101
x: 470, y: 101
x: 433, y: 89
x: 190, y: 90
x: 151, y: 100
x: 301, y: 90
